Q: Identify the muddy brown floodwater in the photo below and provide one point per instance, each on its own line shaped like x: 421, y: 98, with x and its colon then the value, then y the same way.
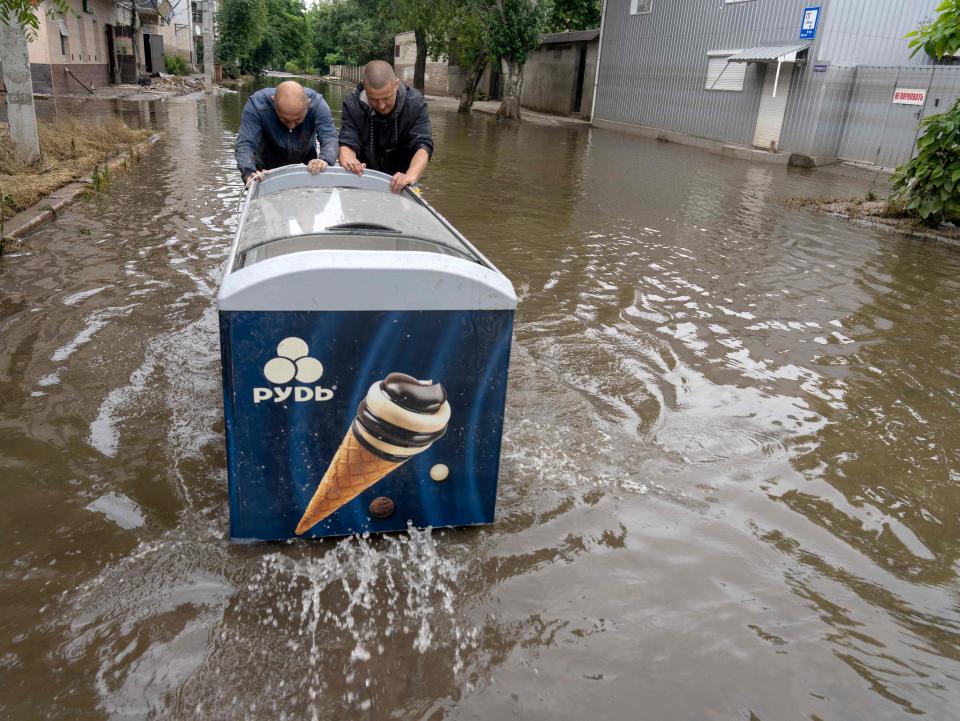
x: 730, y: 484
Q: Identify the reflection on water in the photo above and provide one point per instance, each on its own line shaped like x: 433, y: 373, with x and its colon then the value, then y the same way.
x: 730, y: 474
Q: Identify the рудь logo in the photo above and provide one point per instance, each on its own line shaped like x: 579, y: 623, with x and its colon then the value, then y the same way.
x: 293, y: 363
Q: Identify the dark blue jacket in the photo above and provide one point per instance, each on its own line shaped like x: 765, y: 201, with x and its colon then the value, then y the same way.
x: 265, y: 143
x: 386, y: 143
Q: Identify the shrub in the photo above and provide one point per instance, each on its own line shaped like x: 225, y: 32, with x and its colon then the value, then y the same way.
x: 176, y: 65
x: 292, y: 66
x: 929, y: 185
x: 334, y: 59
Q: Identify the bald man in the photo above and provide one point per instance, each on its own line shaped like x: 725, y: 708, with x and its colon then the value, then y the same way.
x: 385, y: 127
x: 282, y: 126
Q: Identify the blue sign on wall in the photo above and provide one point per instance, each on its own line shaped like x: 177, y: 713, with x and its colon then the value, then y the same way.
x: 811, y: 19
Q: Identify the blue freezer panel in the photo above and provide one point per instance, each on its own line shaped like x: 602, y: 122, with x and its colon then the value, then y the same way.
x: 293, y: 382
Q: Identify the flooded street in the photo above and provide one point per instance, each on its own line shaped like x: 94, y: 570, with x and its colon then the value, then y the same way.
x: 730, y: 485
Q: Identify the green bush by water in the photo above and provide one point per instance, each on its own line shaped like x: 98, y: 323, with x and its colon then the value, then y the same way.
x: 176, y: 65
x: 929, y: 185
x: 298, y: 68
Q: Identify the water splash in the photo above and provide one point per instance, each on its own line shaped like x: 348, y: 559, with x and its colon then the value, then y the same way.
x: 361, y: 599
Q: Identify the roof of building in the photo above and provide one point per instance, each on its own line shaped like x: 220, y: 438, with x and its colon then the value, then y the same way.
x: 578, y: 36
x: 767, y: 53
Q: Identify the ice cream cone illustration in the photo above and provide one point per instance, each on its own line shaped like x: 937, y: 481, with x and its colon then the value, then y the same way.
x: 399, y: 418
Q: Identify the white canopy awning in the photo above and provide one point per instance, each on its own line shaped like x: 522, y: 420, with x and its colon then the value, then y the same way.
x: 770, y: 54
x: 778, y: 54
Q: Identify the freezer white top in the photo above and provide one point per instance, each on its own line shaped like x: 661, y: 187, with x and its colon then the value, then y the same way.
x: 344, y: 218
x: 337, y: 241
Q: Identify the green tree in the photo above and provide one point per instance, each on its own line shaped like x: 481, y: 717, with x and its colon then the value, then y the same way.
x: 514, y: 33
x: 350, y: 32
x: 23, y: 14
x: 286, y: 37
x: 241, y: 25
x: 569, y: 15
x: 941, y: 36
x: 359, y: 41
x: 469, y: 33
x: 426, y: 20
x: 929, y: 184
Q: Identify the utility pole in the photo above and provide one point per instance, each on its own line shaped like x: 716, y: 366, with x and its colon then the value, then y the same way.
x: 208, y: 6
x: 21, y: 113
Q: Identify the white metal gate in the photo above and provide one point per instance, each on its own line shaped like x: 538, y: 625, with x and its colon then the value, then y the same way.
x: 880, y: 132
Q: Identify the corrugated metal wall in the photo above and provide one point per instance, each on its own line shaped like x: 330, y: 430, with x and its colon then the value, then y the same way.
x: 882, y: 133
x: 817, y: 111
x: 653, y: 67
x: 870, y: 32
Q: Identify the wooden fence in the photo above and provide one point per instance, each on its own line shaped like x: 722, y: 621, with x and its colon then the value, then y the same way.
x: 350, y: 73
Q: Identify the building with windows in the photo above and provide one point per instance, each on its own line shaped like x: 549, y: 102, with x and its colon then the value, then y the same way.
x: 817, y: 79
x: 93, y: 45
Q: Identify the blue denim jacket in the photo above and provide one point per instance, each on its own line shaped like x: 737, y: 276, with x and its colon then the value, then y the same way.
x: 264, y: 142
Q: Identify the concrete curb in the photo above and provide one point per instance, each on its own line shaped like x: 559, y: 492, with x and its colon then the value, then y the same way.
x: 490, y: 107
x: 45, y: 210
x: 927, y: 236
x: 716, y: 147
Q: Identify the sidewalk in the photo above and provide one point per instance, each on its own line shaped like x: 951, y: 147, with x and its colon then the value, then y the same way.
x: 491, y: 106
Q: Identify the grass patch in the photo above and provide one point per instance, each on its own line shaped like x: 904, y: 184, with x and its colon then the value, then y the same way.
x: 894, y: 209
x: 69, y: 149
x: 817, y: 201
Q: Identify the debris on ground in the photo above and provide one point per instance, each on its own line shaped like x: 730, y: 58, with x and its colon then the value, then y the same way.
x: 181, y: 84
x: 147, y: 87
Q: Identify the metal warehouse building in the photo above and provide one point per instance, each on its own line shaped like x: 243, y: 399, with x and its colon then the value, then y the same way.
x: 827, y: 79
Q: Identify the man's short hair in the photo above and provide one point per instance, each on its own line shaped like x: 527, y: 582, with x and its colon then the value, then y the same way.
x: 291, y: 89
x: 378, y: 74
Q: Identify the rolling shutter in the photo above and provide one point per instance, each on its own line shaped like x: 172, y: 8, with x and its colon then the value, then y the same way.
x: 723, y: 75
x: 772, y: 109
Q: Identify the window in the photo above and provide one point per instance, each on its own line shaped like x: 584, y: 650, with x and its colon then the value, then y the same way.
x: 723, y: 75
x: 396, y: 51
x: 640, y: 7
x: 64, y: 36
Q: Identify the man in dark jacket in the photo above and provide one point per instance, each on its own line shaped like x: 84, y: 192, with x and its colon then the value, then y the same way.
x: 281, y: 126
x: 385, y: 127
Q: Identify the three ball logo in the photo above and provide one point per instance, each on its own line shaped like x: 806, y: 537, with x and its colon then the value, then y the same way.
x: 293, y: 363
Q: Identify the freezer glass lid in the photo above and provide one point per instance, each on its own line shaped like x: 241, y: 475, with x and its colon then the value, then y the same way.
x: 343, y: 212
